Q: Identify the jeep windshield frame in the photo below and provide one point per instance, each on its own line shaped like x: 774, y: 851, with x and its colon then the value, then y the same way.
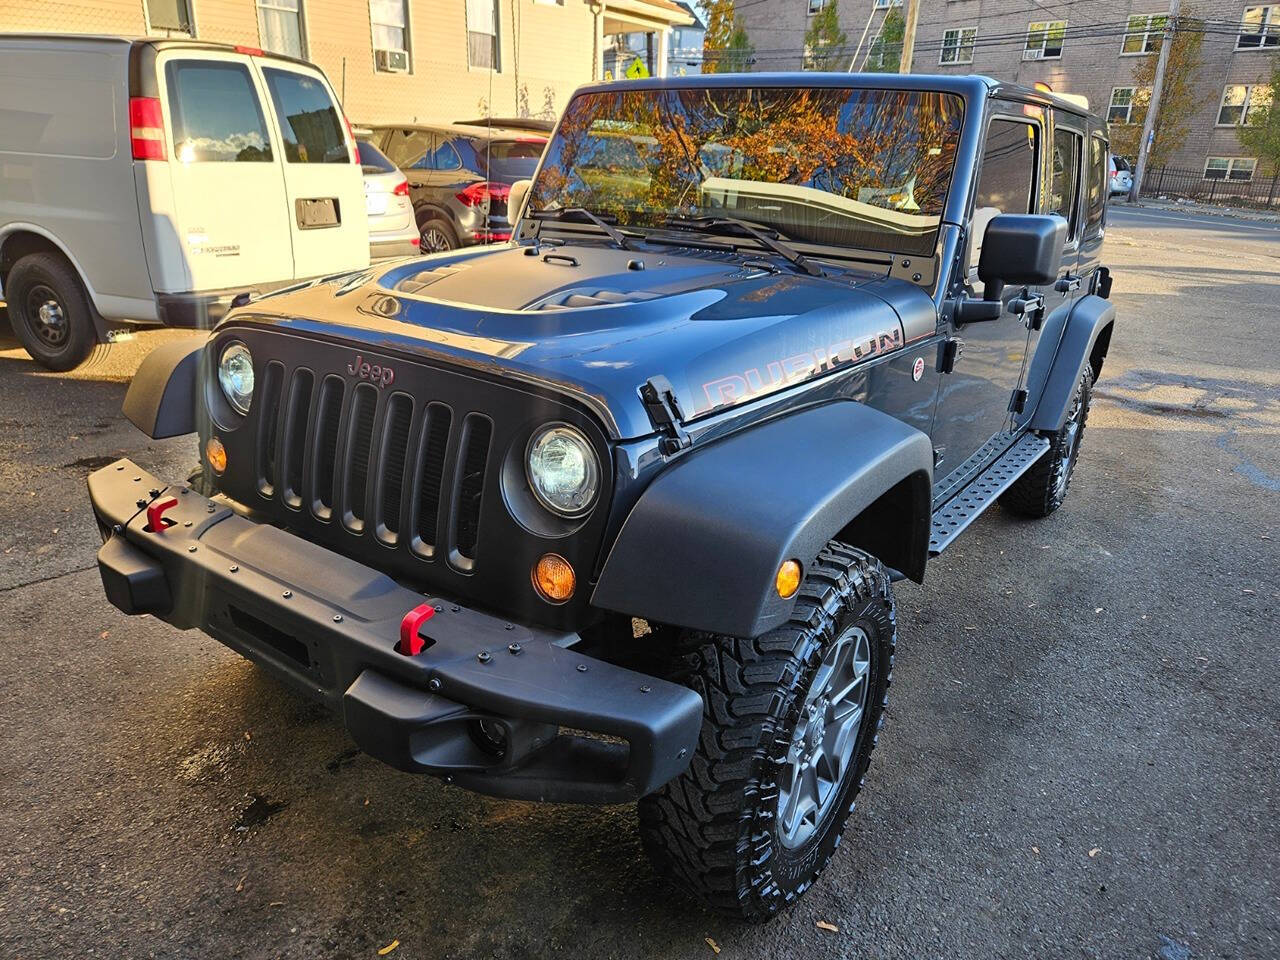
x: 825, y: 165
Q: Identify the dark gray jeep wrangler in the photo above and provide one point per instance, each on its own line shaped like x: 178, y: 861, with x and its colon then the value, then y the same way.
x: 612, y: 512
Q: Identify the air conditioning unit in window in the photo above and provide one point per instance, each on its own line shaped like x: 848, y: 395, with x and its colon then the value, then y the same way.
x: 1037, y: 54
x: 391, y: 61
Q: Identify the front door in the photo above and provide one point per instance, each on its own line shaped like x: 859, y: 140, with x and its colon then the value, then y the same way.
x: 974, y: 418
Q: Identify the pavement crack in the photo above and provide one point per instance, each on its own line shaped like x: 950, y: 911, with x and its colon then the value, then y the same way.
x: 52, y: 576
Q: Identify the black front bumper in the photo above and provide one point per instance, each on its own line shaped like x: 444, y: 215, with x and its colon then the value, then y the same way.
x: 556, y: 725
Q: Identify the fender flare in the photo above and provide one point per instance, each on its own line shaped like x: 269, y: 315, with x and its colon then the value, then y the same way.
x: 161, y: 400
x: 99, y: 323
x: 702, y: 546
x: 1065, y: 347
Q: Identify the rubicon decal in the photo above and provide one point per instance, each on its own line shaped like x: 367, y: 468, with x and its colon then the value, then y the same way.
x: 917, y: 369
x: 379, y: 373
x: 801, y: 366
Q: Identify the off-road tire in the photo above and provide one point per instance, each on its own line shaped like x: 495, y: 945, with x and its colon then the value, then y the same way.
x: 713, y: 829
x: 434, y: 225
x: 1043, y: 488
x: 48, y: 277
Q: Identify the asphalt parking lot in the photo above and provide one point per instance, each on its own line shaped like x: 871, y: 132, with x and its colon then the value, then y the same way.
x: 1080, y: 758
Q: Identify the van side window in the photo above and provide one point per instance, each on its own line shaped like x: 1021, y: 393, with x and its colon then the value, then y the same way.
x: 1066, y: 177
x: 1008, y: 178
x: 309, y: 121
x: 215, y: 113
x: 1098, y: 186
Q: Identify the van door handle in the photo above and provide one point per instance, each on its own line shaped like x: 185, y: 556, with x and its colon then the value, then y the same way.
x: 1067, y: 284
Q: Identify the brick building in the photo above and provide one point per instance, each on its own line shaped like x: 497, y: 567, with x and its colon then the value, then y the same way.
x: 1089, y: 47
x: 392, y: 60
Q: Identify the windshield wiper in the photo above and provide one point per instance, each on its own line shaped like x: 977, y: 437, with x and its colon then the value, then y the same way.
x: 566, y: 213
x: 765, y: 235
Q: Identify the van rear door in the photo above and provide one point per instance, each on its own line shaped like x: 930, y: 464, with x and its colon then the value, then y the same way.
x: 323, y: 181
x: 229, y: 211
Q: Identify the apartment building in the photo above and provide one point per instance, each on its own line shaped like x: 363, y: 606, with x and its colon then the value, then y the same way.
x: 393, y: 60
x: 1089, y: 47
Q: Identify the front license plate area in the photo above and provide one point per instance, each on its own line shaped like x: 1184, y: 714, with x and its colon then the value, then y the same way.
x: 315, y: 213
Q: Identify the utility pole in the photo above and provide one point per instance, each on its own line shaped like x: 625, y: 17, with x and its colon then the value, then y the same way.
x: 1153, y: 108
x: 909, y: 35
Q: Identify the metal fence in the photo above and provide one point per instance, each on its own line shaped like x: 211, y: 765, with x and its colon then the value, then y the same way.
x: 1190, y: 184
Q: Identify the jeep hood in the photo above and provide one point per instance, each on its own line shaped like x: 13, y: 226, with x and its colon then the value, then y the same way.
x: 595, y: 323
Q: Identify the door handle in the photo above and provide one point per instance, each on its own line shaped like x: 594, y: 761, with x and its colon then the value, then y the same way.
x: 1067, y: 284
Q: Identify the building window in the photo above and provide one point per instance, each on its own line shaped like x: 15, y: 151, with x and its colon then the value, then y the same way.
x: 1044, y: 40
x: 280, y: 27
x: 1260, y: 28
x: 173, y: 15
x: 1121, y: 108
x: 886, y: 4
x: 1240, y: 101
x: 482, y: 34
x: 815, y: 6
x: 1143, y: 34
x: 957, y: 45
x: 1230, y: 168
x: 390, y: 22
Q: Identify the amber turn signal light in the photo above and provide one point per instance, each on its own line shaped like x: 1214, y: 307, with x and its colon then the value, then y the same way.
x: 553, y: 578
x: 788, y: 579
x: 216, y: 454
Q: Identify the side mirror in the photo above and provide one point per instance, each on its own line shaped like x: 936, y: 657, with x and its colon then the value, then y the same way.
x: 1023, y: 249
x: 515, y: 200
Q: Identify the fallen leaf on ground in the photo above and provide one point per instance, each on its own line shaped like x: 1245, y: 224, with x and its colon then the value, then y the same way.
x: 823, y: 925
x: 1036, y: 851
x: 388, y: 948
x: 240, y: 885
x: 1094, y: 852
x: 276, y: 903
x: 712, y: 944
x: 248, y: 735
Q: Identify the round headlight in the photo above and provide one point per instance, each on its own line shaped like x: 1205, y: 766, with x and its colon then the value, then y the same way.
x: 564, y: 472
x: 235, y: 375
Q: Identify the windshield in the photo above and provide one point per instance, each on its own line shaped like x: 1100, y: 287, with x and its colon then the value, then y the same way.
x: 855, y: 168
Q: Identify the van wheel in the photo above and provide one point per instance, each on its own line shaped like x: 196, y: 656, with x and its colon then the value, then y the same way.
x: 790, y: 719
x: 437, y: 234
x: 50, y: 311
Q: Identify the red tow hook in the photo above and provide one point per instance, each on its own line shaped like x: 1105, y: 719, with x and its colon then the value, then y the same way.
x: 411, y: 644
x: 155, y: 513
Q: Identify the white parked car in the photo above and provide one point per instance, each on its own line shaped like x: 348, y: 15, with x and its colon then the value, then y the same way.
x: 1121, y: 176
x: 393, y: 232
x: 151, y: 181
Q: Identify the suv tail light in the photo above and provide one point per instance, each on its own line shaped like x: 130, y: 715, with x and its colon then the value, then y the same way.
x: 146, y: 128
x: 479, y: 193
x: 402, y: 189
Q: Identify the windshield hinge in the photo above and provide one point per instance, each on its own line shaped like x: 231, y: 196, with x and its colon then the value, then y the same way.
x: 664, y: 413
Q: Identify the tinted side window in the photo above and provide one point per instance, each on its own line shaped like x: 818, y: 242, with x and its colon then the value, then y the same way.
x: 1066, y: 176
x: 409, y: 149
x: 216, y: 116
x: 309, y: 121
x: 1097, y: 184
x: 1008, y: 178
x: 445, y: 157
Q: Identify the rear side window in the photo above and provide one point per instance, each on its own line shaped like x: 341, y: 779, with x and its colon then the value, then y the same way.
x: 309, y: 121
x: 444, y: 157
x: 408, y: 149
x: 1008, y: 178
x: 373, y: 160
x: 1066, y: 176
x: 215, y: 113
x: 510, y: 159
x: 1098, y: 185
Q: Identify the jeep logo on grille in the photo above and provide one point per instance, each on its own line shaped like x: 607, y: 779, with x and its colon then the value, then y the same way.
x: 378, y: 373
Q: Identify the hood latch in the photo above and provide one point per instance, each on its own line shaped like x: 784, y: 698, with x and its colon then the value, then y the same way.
x: 664, y: 413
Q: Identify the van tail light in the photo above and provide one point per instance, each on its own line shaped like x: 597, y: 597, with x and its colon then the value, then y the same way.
x: 351, y: 141
x: 402, y: 189
x: 146, y: 128
x: 478, y: 194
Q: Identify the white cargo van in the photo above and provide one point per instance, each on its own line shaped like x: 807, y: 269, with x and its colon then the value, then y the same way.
x: 152, y: 181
